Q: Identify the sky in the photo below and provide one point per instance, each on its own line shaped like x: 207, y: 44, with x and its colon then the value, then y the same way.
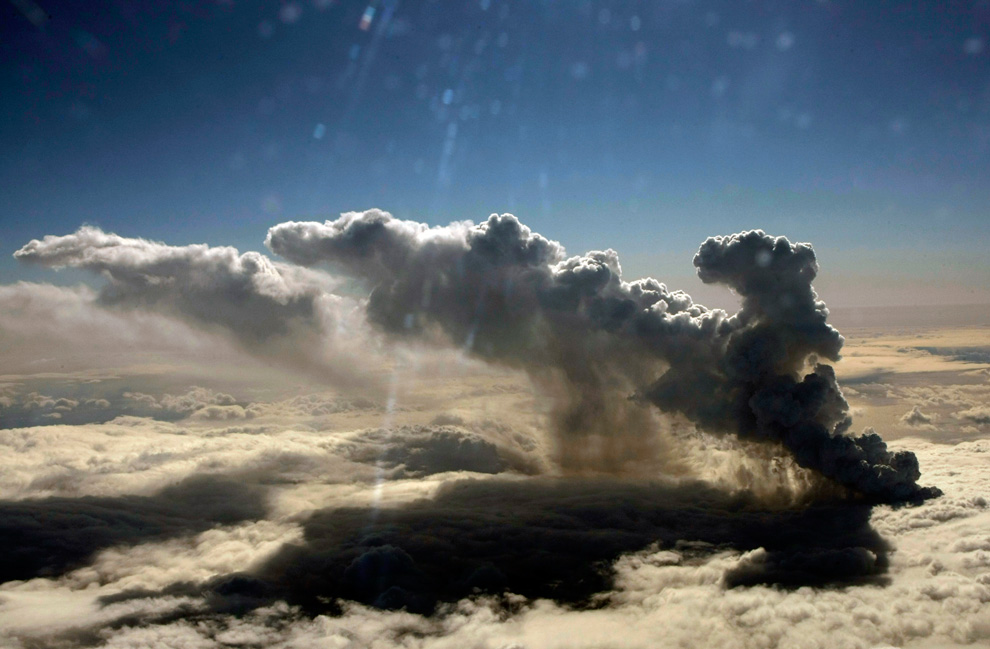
x: 640, y: 126
x: 331, y: 324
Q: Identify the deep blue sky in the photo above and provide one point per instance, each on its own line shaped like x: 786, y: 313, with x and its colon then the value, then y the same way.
x: 863, y: 127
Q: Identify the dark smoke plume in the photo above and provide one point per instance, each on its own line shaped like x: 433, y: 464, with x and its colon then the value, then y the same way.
x: 512, y: 296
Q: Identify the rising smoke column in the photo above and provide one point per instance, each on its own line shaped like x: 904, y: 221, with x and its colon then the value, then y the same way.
x: 511, y: 296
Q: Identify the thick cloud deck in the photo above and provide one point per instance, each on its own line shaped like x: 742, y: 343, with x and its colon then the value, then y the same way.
x: 512, y: 296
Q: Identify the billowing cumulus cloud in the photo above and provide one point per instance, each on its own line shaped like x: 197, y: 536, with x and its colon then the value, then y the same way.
x: 593, y: 340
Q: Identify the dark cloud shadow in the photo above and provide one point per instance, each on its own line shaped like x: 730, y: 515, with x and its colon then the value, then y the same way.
x: 51, y: 536
x: 427, y: 450
x: 557, y: 540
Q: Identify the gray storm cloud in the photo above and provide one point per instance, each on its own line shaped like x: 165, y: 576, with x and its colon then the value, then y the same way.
x: 602, y: 345
x: 270, y: 308
x: 246, y: 293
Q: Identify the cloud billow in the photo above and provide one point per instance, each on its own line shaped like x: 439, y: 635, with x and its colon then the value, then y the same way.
x: 246, y: 293
x: 278, y: 311
x: 511, y: 296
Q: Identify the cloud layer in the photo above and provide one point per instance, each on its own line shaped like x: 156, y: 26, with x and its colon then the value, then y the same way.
x: 667, y: 505
x: 50, y: 536
x: 522, y: 562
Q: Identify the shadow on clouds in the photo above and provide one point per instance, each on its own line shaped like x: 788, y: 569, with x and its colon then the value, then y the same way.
x: 553, y: 539
x: 49, y: 537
